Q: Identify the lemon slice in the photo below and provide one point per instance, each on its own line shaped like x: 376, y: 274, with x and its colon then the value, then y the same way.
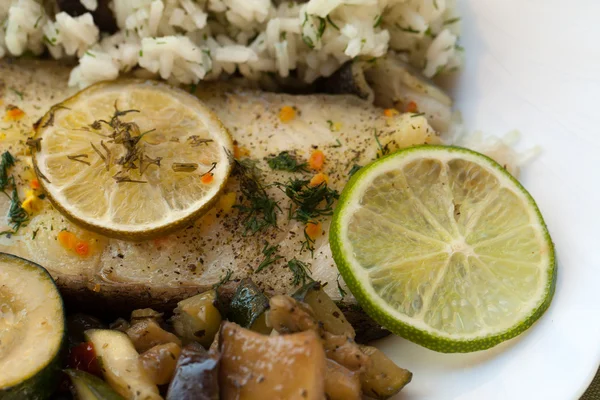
x: 132, y: 159
x: 445, y: 248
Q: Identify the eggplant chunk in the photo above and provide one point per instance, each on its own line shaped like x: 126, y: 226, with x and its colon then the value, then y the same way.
x: 197, y: 318
x: 325, y: 310
x: 256, y: 366
x: 383, y: 378
x: 341, y: 383
x: 196, y: 375
x: 146, y: 334
x: 159, y: 362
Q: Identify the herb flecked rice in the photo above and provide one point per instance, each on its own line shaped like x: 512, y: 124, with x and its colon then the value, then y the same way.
x: 185, y: 41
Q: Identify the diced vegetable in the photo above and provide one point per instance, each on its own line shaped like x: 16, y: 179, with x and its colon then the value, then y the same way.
x: 256, y: 366
x: 324, y: 309
x: 287, y: 315
x: 248, y: 307
x: 197, y: 318
x: 144, y: 313
x: 90, y: 387
x: 78, y: 323
x: 147, y: 333
x: 121, y: 365
x: 32, y: 330
x: 83, y: 357
x: 341, y: 383
x: 196, y: 375
x: 383, y: 378
x: 159, y: 362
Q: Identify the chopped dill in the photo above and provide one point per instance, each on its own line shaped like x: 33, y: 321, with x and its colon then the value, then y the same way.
x: 308, y: 41
x: 377, y: 21
x: 260, y: 210
x: 330, y: 123
x: 332, y: 23
x: 285, y: 161
x: 20, y: 94
x: 338, y: 143
x: 6, y: 161
x: 270, y: 256
x: 354, y: 169
x: 17, y: 216
x: 452, y: 21
x: 383, y: 150
x: 322, y: 26
x: 34, y: 234
x: 300, y: 270
x: 310, y: 201
x: 343, y: 293
x: 223, y: 280
x: 417, y: 115
x: 408, y: 30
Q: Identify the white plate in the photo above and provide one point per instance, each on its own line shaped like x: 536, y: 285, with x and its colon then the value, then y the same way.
x: 534, y: 65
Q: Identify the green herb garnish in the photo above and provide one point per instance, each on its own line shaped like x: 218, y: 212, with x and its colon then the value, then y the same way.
x: 270, y: 256
x: 354, y: 169
x: 383, y: 150
x: 17, y: 216
x: 340, y: 289
x: 6, y: 161
x: 20, y: 94
x: 417, y: 115
x: 408, y: 30
x: 260, y: 210
x: 300, y: 270
x: 223, y: 280
x: 310, y: 201
x: 451, y: 21
x: 377, y: 21
x: 284, y: 161
x: 332, y: 23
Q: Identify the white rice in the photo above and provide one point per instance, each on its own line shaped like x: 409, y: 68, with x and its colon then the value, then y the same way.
x: 185, y: 41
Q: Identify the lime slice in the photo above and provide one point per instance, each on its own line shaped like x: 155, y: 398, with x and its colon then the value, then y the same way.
x: 132, y: 159
x: 445, y: 248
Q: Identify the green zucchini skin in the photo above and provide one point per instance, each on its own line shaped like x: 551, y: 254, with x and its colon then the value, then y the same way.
x: 95, y: 388
x: 42, y: 384
x: 248, y: 304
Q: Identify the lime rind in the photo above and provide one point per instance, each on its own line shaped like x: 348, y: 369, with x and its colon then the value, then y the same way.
x: 402, y: 325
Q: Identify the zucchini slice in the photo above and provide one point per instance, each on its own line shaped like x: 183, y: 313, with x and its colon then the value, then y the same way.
x: 89, y: 387
x: 32, y: 330
x: 121, y: 365
x: 248, y: 307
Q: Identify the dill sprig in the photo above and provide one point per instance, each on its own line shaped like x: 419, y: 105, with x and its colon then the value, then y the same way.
x: 285, y: 161
x: 269, y: 251
x: 310, y: 202
x: 260, y: 209
x: 226, y: 278
x: 340, y: 289
x: 383, y: 150
x: 355, y: 168
x: 300, y: 270
x: 6, y: 161
x: 16, y: 213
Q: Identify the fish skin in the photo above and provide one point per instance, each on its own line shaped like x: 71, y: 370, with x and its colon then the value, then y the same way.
x: 164, y: 270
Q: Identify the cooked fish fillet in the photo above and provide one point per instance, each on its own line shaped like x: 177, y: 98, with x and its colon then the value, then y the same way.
x: 195, y: 258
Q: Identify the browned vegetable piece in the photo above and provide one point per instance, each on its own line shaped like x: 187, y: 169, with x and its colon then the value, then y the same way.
x: 146, y: 334
x: 196, y: 375
x: 324, y: 309
x: 287, y: 315
x: 143, y: 313
x: 341, y: 383
x: 159, y: 362
x: 256, y: 366
x: 383, y: 378
x: 197, y: 318
x: 345, y: 351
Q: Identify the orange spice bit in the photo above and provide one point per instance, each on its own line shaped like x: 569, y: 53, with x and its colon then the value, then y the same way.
x: 287, y: 113
x: 67, y: 239
x: 316, y: 160
x: 13, y: 113
x: 82, y: 248
x: 207, y: 178
x: 34, y: 184
x: 313, y: 230
x: 319, y: 179
x: 412, y: 107
x: 390, y: 112
x: 239, y: 152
